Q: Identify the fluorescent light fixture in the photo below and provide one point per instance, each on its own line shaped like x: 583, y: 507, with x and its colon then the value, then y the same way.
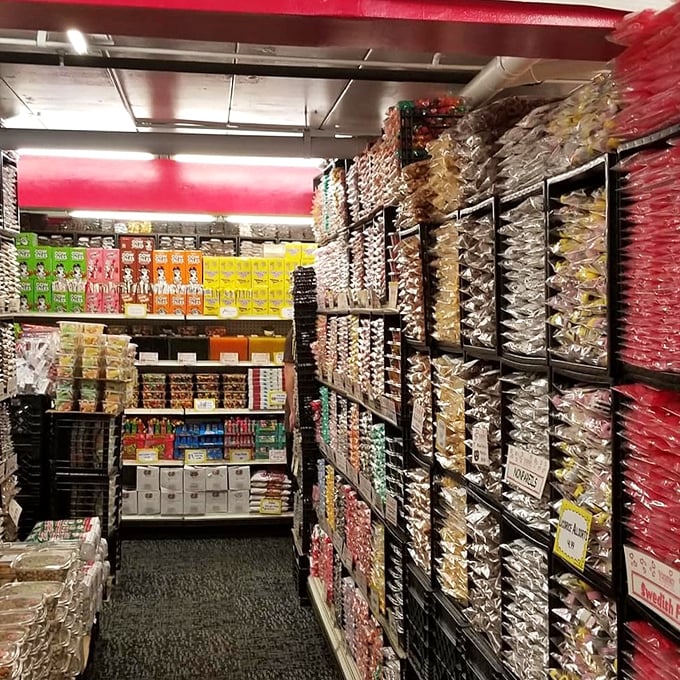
x: 140, y: 216
x: 269, y: 219
x: 77, y: 40
x: 89, y: 153
x: 264, y: 133
x: 269, y: 161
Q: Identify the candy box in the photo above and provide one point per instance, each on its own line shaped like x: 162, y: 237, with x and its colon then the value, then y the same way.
x: 42, y: 294
x: 179, y: 274
x: 244, y: 302
x: 211, y: 270
x: 162, y: 268
x: 172, y: 503
x: 77, y: 265
x: 244, y: 277
x: 94, y: 264
x: 194, y: 478
x: 59, y: 297
x: 40, y: 262
x: 94, y: 297
x: 239, y: 477
x: 24, y: 258
x: 217, y: 479
x: 259, y: 271
x: 259, y: 301
x: 148, y: 502
x: 194, y: 503
x: 26, y: 299
x: 172, y: 479
x: 75, y: 300
x: 161, y: 303
x: 216, y: 502
x: 110, y: 298
x: 194, y: 304
x: 194, y: 267
x: 276, y: 299
x: 61, y: 259
x: 211, y: 302
x: 26, y: 240
x: 136, y: 243
x: 111, y: 265
x: 148, y: 478
x: 178, y: 303
x: 238, y: 502
x: 129, y: 502
x: 277, y: 271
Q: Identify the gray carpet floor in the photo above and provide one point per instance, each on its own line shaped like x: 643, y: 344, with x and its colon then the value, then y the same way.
x: 209, y: 609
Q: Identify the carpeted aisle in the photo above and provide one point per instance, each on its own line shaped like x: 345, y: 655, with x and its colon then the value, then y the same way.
x: 209, y: 609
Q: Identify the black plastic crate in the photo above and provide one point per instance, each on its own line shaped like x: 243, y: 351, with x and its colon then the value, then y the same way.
x: 418, y: 615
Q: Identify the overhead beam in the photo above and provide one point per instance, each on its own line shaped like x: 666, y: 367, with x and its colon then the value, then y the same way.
x: 480, y: 27
x: 171, y: 143
x: 230, y: 69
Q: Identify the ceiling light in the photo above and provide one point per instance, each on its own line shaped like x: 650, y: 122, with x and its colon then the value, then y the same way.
x: 140, y: 216
x: 250, y: 160
x: 264, y: 133
x: 269, y: 219
x: 89, y: 153
x: 77, y: 41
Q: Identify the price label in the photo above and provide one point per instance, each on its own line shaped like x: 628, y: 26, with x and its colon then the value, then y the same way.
x: 353, y: 475
x: 229, y: 358
x: 261, y: 358
x: 270, y: 506
x: 341, y: 464
x: 342, y: 301
x: 388, y: 408
x: 392, y: 510
x: 330, y: 454
x: 278, y: 357
x: 480, y: 444
x: 277, y: 399
x: 393, y: 299
x: 135, y: 310
x: 287, y: 313
x: 147, y: 456
x: 655, y: 584
x: 148, y: 357
x: 441, y: 434
x: 418, y: 418
x: 277, y: 455
x: 186, y: 357
x: 14, y: 511
x: 195, y: 456
x: 526, y: 471
x: 374, y: 601
x: 573, y: 534
x: 376, y: 500
x: 228, y: 312
x: 365, y: 487
x: 240, y: 455
x: 204, y: 405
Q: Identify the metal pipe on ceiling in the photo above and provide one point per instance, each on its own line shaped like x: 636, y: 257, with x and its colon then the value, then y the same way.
x: 172, y: 143
x: 227, y: 69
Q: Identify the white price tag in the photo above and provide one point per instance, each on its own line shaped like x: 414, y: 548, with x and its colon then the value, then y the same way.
x: 655, y: 584
x: 342, y: 301
x: 261, y: 358
x: 147, y: 456
x: 240, y: 455
x: 11, y: 465
x: 186, y: 357
x: 287, y: 313
x: 277, y: 399
x: 526, y: 471
x: 392, y: 510
x: 393, y: 300
x: 228, y: 312
x: 135, y: 310
x: 277, y: 455
x: 278, y: 357
x: 418, y: 418
x: 480, y: 444
x: 194, y: 456
x: 270, y: 506
x: 365, y: 486
x: 229, y: 358
x: 14, y: 511
x: 148, y: 357
x: 204, y: 405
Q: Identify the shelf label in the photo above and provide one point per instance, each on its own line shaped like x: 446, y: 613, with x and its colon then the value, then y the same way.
x: 148, y: 357
x: 573, y: 534
x: 365, y: 487
x: 353, y: 474
x: 278, y: 357
x: 376, y: 500
x: 186, y: 357
x: 228, y: 312
x: 277, y: 400
x: 655, y: 584
x: 441, y: 434
x: 135, y: 310
x: 388, y: 408
x: 204, y: 404
x: 341, y: 463
x: 392, y: 510
x: 526, y: 471
x: 342, y: 301
x: 147, y: 456
x: 480, y: 445
x: 270, y: 506
x: 14, y: 511
x: 195, y: 456
x: 393, y: 298
x: 277, y: 455
x: 240, y: 455
x: 229, y: 358
x: 287, y: 313
x: 261, y: 358
x: 418, y: 418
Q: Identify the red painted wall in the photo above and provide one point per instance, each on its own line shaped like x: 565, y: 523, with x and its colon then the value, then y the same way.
x: 163, y: 185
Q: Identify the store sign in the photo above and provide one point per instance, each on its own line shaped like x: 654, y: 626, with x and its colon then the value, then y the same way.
x: 418, y: 418
x: 204, y: 404
x: 229, y: 358
x: 573, y: 534
x: 526, y: 471
x: 480, y: 445
x: 147, y: 456
x: 277, y: 455
x: 135, y: 310
x: 148, y: 357
x: 655, y: 584
x: 195, y: 456
x: 186, y: 357
x: 271, y: 506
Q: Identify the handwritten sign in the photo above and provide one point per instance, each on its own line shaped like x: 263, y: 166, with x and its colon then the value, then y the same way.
x: 194, y: 456
x: 270, y: 506
x: 147, y: 456
x: 573, y: 534
x: 480, y: 444
x: 135, y: 310
x: 526, y: 471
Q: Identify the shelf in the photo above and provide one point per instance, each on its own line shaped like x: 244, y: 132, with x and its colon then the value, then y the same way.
x: 333, y: 634
x: 375, y: 311
x: 482, y: 206
x: 203, y: 364
x: 664, y: 380
x: 95, y: 317
x: 234, y: 517
x: 233, y: 412
x: 348, y: 395
x: 221, y: 319
x: 154, y: 412
x: 208, y: 463
x: 652, y: 139
x: 597, y: 375
x: 484, y: 353
x: 521, y: 194
x: 520, y: 363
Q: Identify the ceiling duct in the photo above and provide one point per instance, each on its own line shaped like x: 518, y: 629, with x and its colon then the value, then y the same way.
x: 499, y: 74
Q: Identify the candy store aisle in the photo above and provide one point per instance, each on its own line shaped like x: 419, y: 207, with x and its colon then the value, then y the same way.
x: 209, y: 609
